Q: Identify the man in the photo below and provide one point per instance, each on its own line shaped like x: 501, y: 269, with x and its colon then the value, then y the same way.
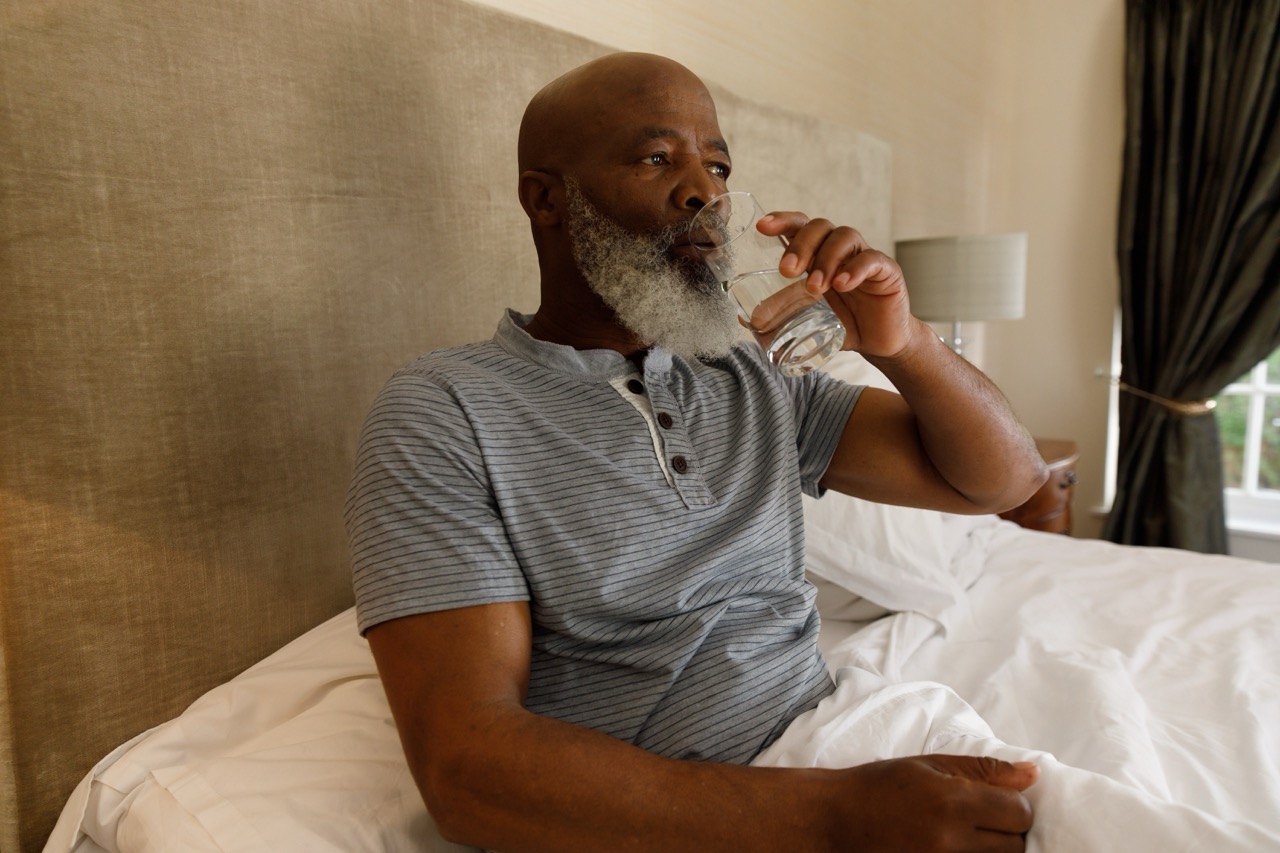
x: 578, y: 547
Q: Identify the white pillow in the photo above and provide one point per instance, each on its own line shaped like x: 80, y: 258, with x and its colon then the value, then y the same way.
x: 898, y: 558
x: 298, y: 752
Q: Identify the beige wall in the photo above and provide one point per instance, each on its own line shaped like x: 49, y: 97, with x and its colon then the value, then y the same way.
x: 1002, y: 115
x: 1066, y: 167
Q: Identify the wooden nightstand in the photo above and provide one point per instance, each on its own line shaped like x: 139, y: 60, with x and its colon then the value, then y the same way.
x: 1049, y: 509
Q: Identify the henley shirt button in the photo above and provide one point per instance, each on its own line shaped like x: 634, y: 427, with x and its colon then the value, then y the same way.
x: 635, y: 386
x: 665, y: 421
x: 680, y: 464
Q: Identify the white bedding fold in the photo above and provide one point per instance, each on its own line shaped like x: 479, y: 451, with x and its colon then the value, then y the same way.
x: 1144, y: 681
x: 869, y: 718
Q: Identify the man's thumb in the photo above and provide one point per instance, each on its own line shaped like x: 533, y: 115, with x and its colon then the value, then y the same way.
x: 1018, y: 775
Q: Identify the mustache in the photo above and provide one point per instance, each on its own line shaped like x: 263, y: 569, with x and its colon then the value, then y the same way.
x: 666, y: 238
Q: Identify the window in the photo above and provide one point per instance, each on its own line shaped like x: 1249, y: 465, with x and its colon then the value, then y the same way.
x: 1248, y: 415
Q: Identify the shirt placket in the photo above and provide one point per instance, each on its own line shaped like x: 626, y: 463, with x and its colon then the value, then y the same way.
x: 675, y: 448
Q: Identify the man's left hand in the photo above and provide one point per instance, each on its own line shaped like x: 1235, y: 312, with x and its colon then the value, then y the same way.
x: 863, y: 286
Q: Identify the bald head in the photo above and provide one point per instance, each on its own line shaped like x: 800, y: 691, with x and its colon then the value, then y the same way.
x: 568, y: 116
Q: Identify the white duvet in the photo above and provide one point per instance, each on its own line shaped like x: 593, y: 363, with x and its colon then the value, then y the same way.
x: 1144, y: 682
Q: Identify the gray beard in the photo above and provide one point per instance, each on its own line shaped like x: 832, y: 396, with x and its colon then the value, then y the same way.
x: 664, y: 302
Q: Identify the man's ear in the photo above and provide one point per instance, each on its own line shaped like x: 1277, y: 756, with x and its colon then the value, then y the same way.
x: 540, y: 196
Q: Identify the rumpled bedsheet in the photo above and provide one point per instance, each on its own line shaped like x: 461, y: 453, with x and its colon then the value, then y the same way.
x: 1145, y: 683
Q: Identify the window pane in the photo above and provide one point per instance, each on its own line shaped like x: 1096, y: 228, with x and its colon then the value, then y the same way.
x: 1232, y: 414
x: 1269, y: 456
x: 1273, y: 368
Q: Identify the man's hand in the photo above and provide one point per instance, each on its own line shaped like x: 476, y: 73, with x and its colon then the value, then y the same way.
x: 948, y: 440
x: 864, y: 287
x: 937, y: 802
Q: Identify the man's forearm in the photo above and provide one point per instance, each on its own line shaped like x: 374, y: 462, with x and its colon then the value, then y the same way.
x: 525, y: 782
x: 965, y: 424
x: 947, y: 440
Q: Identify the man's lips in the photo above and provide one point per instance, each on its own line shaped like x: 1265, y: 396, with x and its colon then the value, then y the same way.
x: 686, y: 250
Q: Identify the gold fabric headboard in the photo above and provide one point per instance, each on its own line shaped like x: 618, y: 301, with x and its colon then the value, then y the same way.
x: 223, y: 225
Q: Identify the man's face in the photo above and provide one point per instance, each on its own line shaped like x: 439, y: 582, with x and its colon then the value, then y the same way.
x: 662, y: 298
x: 651, y: 156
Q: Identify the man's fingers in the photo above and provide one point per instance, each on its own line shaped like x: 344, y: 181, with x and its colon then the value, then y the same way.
x: 1004, y: 810
x: 981, y: 768
x: 999, y: 803
x: 999, y: 842
x: 871, y: 271
x: 815, y: 245
x: 782, y: 223
x: 937, y: 802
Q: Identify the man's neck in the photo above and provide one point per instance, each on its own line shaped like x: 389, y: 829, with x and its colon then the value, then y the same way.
x: 584, y: 330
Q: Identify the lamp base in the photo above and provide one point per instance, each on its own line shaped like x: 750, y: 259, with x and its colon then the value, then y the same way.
x: 957, y: 344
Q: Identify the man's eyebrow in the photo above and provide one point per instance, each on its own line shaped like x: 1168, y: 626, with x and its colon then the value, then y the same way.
x: 671, y: 133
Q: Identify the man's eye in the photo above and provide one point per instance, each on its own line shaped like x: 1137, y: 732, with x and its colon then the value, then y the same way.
x: 658, y: 159
x: 720, y: 170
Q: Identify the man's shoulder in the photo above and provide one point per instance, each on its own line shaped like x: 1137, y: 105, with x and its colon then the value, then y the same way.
x: 440, y: 394
x: 468, y: 362
x: 442, y: 378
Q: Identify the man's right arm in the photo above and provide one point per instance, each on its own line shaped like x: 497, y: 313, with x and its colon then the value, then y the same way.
x: 495, y: 775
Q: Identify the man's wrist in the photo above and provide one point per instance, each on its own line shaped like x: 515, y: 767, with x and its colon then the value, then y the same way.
x: 921, y: 343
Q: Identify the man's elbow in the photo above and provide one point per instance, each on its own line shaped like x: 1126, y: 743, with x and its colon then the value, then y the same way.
x: 1024, y: 482
x: 1011, y: 487
x: 450, y: 785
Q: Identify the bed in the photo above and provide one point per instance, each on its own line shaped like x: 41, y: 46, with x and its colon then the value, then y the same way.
x: 1151, y: 674
x: 1144, y: 682
x: 225, y: 225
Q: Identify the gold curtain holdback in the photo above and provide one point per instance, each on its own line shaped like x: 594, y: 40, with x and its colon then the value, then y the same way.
x: 1178, y: 407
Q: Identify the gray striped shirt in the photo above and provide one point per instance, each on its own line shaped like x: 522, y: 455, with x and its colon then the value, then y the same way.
x: 652, y: 521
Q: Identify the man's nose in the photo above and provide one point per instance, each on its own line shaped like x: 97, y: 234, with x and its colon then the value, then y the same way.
x: 696, y: 189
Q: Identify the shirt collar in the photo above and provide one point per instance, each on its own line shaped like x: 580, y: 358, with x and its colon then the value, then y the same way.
x: 599, y: 363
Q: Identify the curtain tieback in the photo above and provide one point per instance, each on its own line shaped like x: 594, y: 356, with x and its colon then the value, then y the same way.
x: 1178, y: 407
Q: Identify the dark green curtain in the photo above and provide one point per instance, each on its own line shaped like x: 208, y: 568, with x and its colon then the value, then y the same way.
x: 1199, y: 252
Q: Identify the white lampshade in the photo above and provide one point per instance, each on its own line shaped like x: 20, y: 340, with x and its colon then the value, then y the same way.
x: 965, y: 278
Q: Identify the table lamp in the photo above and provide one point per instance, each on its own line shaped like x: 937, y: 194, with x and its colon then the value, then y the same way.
x: 959, y: 279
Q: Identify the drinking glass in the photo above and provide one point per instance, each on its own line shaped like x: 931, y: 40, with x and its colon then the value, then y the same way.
x: 797, y: 330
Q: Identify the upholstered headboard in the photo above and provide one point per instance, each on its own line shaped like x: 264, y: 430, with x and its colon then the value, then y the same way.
x: 223, y: 224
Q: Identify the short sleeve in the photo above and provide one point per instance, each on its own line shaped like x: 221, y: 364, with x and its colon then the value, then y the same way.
x: 823, y: 405
x: 422, y: 522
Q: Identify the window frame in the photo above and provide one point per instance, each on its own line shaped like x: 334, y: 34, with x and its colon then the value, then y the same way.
x: 1248, y: 506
